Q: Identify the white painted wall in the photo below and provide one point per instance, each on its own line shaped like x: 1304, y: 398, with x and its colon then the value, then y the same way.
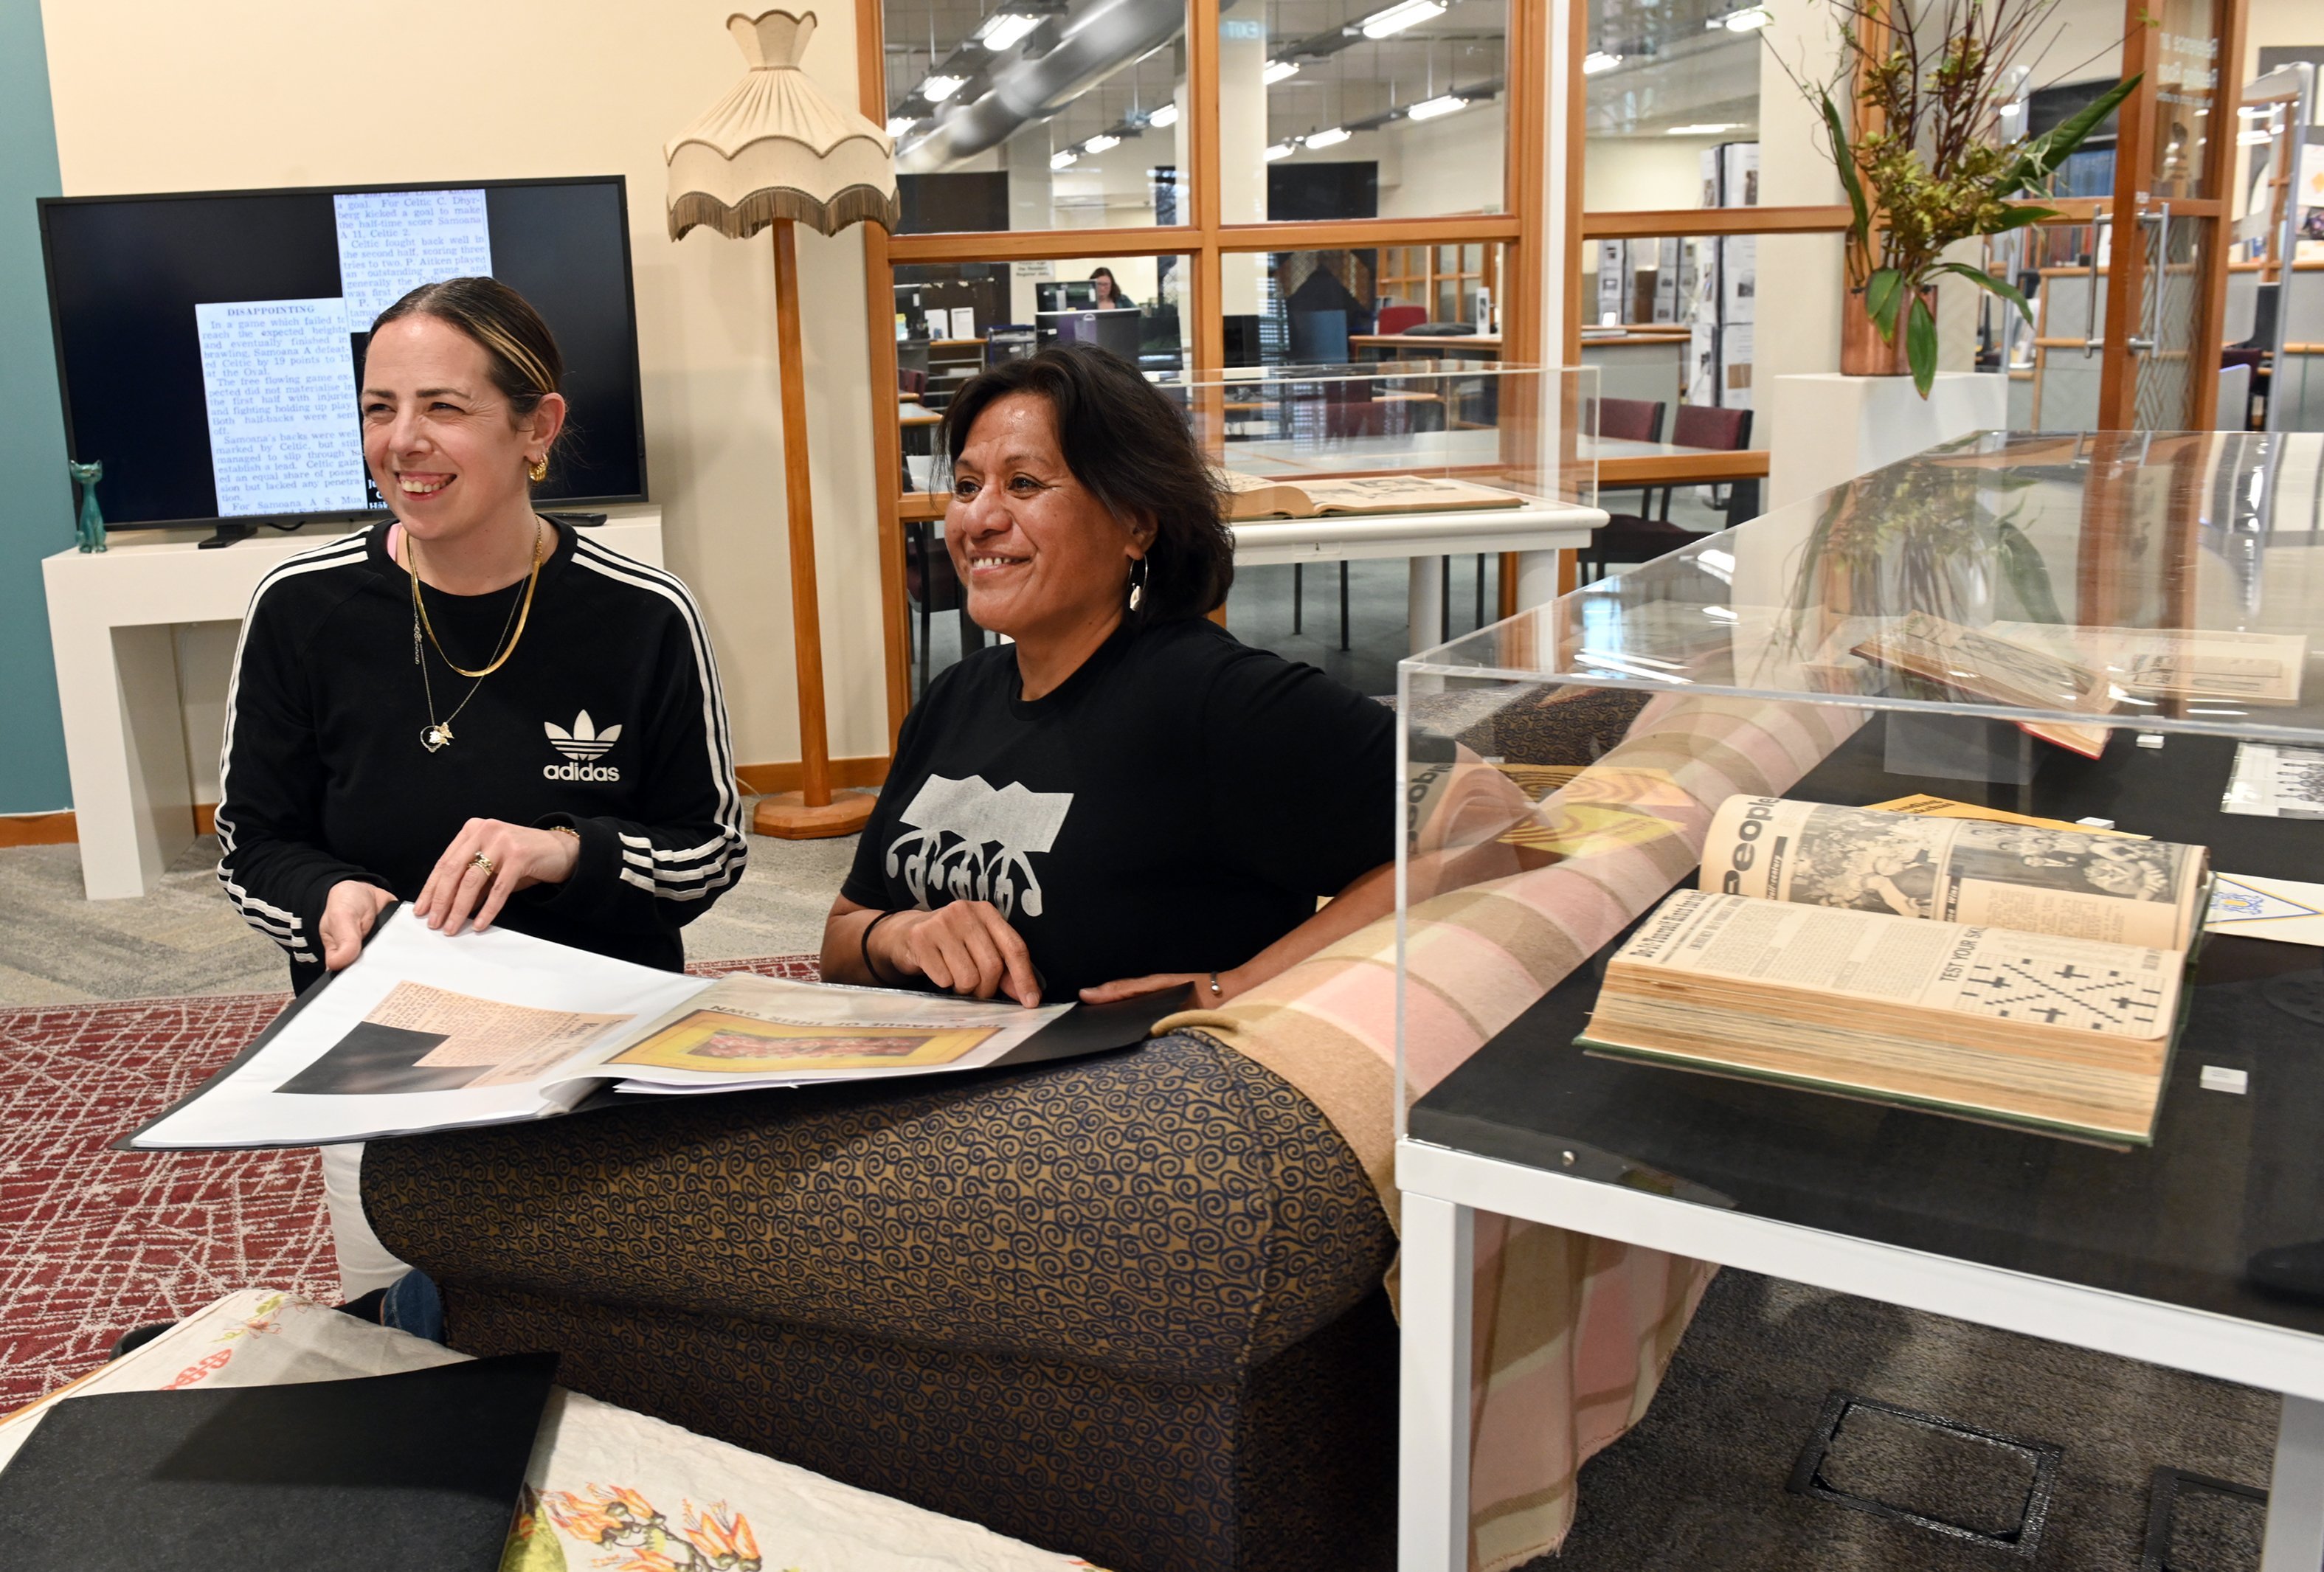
x: 262, y: 93
x: 1451, y: 165
x: 1628, y: 173
x: 1801, y: 276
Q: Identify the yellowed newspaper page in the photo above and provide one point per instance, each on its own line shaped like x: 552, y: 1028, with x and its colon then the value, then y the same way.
x: 2120, y: 990
x: 2061, y: 883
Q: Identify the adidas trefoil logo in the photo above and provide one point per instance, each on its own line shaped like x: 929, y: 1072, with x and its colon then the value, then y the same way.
x: 585, y: 744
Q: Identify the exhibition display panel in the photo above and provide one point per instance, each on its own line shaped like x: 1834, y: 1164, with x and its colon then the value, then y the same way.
x: 1917, y: 891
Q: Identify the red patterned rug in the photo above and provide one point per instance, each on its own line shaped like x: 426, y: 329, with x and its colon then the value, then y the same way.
x: 94, y: 1242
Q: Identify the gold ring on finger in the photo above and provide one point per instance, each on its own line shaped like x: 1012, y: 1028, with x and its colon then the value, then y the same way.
x: 482, y: 863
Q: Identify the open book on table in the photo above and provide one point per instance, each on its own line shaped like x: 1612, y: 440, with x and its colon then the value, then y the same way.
x: 1257, y: 497
x: 2017, y: 975
x: 428, y: 1032
x: 2088, y: 670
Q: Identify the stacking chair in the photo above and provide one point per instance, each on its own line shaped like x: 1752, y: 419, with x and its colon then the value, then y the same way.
x: 1643, y: 536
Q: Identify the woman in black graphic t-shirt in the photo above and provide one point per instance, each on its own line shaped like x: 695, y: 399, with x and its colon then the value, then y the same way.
x: 1124, y: 798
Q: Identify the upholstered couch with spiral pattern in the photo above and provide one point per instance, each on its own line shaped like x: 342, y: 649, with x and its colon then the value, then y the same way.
x: 1127, y: 1308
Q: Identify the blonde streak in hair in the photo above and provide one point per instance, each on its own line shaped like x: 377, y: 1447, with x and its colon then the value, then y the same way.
x: 518, y: 355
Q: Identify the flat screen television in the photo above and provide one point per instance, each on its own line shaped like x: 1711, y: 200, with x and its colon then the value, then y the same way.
x: 209, y: 343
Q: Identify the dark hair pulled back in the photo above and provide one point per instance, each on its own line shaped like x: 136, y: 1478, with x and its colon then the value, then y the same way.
x: 521, y: 355
x: 1135, y: 452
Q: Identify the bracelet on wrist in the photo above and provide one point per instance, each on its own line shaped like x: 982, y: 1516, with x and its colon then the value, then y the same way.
x: 870, y: 969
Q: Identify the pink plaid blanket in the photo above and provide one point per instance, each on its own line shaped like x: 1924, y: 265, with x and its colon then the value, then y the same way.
x: 1572, y: 1333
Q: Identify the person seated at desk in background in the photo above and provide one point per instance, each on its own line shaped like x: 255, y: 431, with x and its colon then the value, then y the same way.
x: 1105, y: 294
x: 469, y: 708
x: 1125, y: 798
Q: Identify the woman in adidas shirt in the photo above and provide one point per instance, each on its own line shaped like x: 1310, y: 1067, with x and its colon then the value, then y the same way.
x: 472, y: 709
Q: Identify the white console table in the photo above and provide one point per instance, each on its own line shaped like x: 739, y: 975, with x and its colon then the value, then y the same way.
x: 110, y: 616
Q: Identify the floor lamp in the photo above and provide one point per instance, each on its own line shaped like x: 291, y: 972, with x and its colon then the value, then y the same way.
x: 776, y: 153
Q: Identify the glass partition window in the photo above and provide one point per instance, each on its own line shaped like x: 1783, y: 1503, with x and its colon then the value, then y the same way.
x: 1667, y: 84
x: 1361, y: 304
x: 1038, y: 113
x: 953, y: 319
x: 1336, y: 109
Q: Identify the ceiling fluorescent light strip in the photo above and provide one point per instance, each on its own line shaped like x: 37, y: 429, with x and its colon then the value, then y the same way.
x: 1163, y: 118
x: 1282, y: 149
x: 1597, y: 62
x: 1277, y: 70
x: 1005, y: 30
x: 1101, y: 142
x: 935, y: 89
x: 1332, y: 138
x: 1431, y: 108
x: 1396, y: 18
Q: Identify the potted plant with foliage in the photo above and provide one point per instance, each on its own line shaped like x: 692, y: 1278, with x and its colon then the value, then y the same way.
x: 1927, y: 167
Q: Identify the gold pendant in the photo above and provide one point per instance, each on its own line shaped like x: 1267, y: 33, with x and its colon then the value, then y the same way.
x: 436, y: 737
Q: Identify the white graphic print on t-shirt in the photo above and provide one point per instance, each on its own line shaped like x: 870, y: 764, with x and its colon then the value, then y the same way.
x: 969, y: 842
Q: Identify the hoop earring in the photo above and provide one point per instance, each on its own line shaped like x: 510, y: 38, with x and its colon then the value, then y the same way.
x: 539, y: 469
x: 1136, y: 582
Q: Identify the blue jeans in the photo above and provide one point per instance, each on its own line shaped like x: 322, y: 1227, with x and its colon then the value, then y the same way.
x: 412, y: 1305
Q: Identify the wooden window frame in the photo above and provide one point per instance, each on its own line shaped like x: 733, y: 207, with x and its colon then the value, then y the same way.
x: 1205, y: 243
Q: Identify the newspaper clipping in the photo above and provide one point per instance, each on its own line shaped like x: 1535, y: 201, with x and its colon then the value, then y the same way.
x: 2057, y: 882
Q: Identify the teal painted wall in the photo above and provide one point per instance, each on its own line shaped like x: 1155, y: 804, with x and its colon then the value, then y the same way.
x: 35, y: 497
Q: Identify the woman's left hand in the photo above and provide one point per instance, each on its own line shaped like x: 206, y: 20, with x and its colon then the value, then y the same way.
x: 1106, y: 993
x: 519, y: 858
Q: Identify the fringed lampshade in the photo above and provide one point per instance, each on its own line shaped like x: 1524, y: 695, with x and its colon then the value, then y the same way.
x: 776, y: 148
x: 775, y: 153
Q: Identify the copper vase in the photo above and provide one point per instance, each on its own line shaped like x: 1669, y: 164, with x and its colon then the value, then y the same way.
x: 1863, y: 353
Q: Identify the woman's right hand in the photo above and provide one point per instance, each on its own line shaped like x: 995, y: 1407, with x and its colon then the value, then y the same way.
x: 350, y: 909
x: 964, y: 946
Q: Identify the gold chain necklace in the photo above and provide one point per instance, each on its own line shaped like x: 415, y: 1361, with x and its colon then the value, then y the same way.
x: 437, y: 734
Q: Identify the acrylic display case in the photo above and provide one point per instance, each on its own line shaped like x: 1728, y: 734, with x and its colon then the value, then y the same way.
x: 2118, y: 632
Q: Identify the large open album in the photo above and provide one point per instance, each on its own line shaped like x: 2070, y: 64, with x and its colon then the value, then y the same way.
x: 426, y: 1031
x: 2016, y: 974
x: 1252, y: 497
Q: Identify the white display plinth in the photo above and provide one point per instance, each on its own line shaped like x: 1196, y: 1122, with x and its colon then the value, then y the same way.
x: 109, y: 619
x: 1825, y: 429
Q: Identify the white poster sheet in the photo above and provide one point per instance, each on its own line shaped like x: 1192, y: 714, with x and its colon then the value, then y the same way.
x: 432, y: 1031
x: 392, y: 242
x: 278, y: 379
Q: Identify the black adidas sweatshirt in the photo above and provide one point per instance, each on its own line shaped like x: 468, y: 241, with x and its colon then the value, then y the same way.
x: 607, y: 718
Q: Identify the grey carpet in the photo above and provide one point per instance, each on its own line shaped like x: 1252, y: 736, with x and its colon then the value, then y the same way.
x: 1700, y: 1484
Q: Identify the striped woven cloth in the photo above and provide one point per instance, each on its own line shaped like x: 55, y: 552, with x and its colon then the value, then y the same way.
x: 1572, y: 1333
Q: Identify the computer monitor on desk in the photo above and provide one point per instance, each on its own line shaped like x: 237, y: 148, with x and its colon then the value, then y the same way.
x: 1116, y: 330
x: 1064, y: 295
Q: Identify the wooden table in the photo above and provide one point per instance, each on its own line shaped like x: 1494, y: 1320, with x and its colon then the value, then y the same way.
x: 1625, y: 462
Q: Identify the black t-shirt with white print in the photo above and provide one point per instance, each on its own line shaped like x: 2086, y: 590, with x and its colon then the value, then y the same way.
x: 606, y: 719
x: 1178, y: 805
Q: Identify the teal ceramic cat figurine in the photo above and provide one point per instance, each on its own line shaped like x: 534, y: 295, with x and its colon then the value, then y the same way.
x: 89, y: 529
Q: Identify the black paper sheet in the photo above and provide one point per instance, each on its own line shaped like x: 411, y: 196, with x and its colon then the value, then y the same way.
x: 379, y: 1473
